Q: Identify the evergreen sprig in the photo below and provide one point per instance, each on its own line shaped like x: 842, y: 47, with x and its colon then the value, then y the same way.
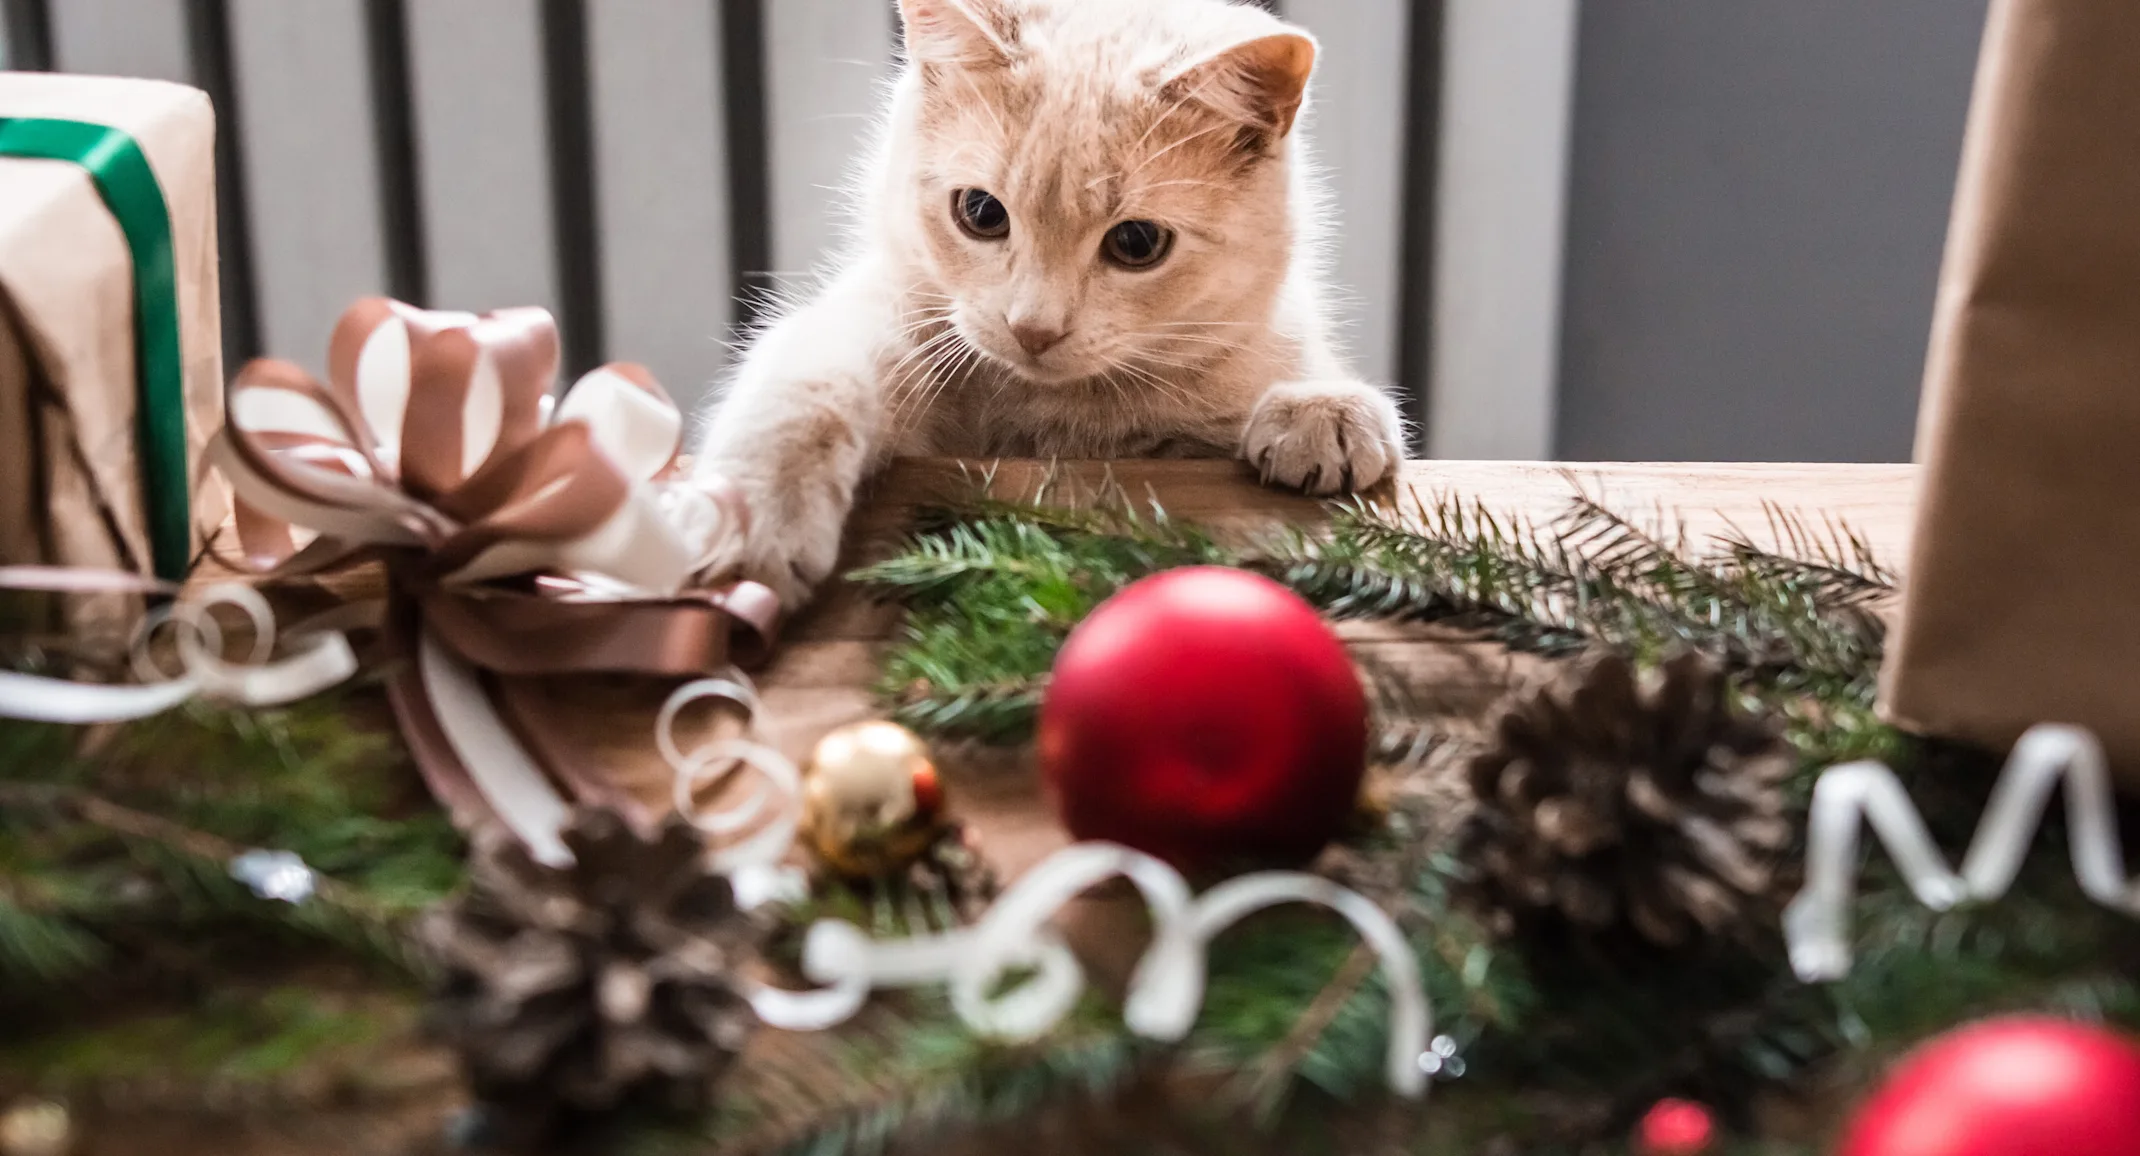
x: 136, y: 840
x: 992, y: 592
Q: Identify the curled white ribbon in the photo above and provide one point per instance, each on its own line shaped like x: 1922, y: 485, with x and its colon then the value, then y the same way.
x: 752, y: 834
x: 1166, y: 991
x: 1816, y: 925
x: 316, y: 662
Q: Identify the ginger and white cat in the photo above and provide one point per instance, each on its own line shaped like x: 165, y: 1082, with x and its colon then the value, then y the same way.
x: 1087, y: 229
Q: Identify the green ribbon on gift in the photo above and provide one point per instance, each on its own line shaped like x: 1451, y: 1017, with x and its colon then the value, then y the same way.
x: 128, y: 185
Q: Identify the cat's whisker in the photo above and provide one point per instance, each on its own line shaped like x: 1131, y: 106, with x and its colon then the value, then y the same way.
x: 1189, y: 181
x: 1200, y: 339
x: 1165, y: 388
x: 899, y: 378
x: 936, y: 373
x: 920, y: 325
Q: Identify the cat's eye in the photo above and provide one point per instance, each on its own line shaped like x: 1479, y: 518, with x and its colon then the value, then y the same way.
x: 1137, y: 244
x: 981, y: 214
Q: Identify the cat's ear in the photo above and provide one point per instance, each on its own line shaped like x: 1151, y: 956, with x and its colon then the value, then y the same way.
x: 958, y: 32
x: 1259, y: 82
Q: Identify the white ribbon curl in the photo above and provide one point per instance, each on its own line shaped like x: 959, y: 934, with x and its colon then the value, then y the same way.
x: 316, y: 662
x: 752, y: 835
x: 1166, y: 991
x: 1816, y: 925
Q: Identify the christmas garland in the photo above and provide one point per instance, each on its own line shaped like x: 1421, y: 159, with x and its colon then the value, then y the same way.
x: 1553, y: 1031
x: 1794, y: 633
x: 993, y: 590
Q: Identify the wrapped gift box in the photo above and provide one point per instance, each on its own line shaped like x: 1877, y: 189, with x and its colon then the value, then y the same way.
x: 2023, y: 596
x: 110, y: 356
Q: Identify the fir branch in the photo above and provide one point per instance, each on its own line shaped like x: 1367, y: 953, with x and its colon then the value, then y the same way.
x: 994, y: 591
x: 195, y: 866
x: 1263, y: 1084
x: 44, y: 949
x: 935, y: 565
x: 995, y: 714
x: 907, y: 1078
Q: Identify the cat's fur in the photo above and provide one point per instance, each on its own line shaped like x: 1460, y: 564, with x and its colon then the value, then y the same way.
x: 1077, y: 114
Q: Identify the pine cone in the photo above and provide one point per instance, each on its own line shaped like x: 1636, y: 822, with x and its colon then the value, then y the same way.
x: 571, y: 990
x: 1653, y: 804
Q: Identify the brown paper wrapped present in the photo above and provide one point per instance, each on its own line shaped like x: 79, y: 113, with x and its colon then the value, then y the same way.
x: 110, y: 356
x: 2023, y: 600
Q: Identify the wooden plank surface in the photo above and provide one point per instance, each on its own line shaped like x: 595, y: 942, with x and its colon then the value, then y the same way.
x: 830, y: 656
x: 828, y: 660
x: 1707, y: 499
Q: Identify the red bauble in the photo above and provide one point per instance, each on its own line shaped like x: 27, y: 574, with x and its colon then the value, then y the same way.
x: 1207, y: 716
x: 2009, y: 1087
x: 1675, y: 1128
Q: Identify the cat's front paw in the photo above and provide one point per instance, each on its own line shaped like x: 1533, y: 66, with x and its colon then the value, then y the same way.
x: 790, y: 544
x: 1324, y: 436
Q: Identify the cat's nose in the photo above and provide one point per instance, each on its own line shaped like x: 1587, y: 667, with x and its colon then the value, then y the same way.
x: 1037, y: 337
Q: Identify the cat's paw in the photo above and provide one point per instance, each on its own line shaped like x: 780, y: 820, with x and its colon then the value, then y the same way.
x: 1324, y: 437
x: 791, y: 544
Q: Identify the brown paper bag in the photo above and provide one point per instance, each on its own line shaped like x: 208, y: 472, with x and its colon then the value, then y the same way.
x: 2022, y: 600
x: 72, y: 486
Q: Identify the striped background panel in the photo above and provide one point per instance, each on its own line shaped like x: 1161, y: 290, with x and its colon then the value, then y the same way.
x: 648, y: 169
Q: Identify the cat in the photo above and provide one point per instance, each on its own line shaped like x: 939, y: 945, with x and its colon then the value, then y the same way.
x: 1087, y: 229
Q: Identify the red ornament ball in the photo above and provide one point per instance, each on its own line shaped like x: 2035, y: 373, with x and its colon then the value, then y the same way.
x: 1675, y: 1128
x: 2007, y: 1087
x: 1207, y: 716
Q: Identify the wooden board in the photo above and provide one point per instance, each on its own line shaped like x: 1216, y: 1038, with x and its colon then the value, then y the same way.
x: 830, y: 655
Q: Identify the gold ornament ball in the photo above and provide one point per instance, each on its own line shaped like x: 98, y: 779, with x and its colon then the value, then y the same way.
x: 872, y: 801
x: 38, y: 1128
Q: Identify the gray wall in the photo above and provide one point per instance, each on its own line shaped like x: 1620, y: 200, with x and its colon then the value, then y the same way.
x: 1758, y: 197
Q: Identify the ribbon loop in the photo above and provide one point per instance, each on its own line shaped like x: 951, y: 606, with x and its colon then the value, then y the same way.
x: 1846, y: 798
x: 315, y: 661
x: 752, y: 835
x: 1166, y: 990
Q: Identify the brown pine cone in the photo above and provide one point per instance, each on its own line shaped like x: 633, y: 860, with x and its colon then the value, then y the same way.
x: 570, y: 990
x: 1612, y: 801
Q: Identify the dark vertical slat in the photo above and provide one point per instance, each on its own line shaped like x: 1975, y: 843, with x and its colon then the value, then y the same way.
x: 573, y: 186
x: 208, y: 30
x: 386, y: 45
x: 1422, y: 185
x: 29, y: 34
x: 750, y: 199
